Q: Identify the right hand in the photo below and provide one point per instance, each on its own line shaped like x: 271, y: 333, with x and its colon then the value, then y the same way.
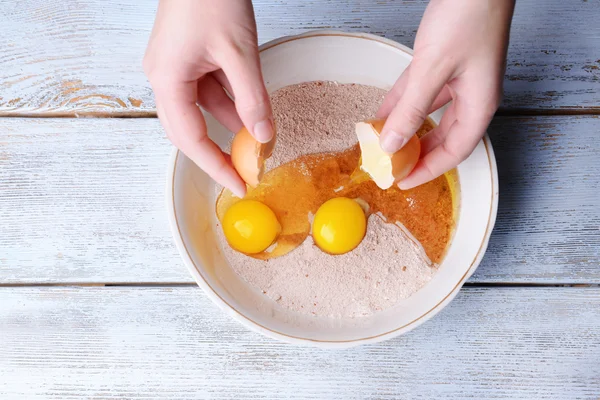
x: 197, y: 49
x: 460, y: 55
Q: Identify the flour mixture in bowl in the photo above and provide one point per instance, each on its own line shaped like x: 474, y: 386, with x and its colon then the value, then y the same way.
x: 314, y: 160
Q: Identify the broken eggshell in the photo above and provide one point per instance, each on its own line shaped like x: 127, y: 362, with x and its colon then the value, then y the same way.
x: 385, y: 169
x: 248, y: 156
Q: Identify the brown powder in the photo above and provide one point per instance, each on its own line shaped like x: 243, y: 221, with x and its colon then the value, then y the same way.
x: 385, y: 268
x: 317, y: 117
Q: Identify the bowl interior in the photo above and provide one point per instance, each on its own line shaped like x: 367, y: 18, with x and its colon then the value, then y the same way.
x: 343, y: 58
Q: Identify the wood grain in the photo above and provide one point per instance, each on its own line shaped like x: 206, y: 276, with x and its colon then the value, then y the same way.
x: 115, y: 343
x: 548, y: 224
x: 82, y: 201
x: 84, y: 57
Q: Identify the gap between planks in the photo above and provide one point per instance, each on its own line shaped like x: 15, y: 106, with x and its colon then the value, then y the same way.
x: 190, y: 284
x: 502, y: 112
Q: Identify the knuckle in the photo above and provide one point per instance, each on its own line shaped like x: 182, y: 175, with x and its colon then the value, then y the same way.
x: 429, y: 168
x: 435, y: 136
x: 492, y: 100
x: 232, y: 48
x: 149, y: 66
x: 485, y: 105
x: 424, y: 57
x: 256, y: 103
x: 493, y: 95
x: 413, y: 115
x: 259, y: 106
x: 430, y: 62
x: 457, y: 153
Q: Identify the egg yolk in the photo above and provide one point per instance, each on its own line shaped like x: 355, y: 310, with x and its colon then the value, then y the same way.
x: 339, y: 225
x: 250, y: 226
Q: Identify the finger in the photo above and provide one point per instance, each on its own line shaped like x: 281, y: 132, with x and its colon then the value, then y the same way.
x: 461, y: 139
x: 186, y: 128
x: 441, y: 100
x: 213, y: 99
x: 219, y: 75
x: 242, y: 68
x: 392, y: 97
x: 437, y: 135
x: 422, y: 87
x: 161, y: 115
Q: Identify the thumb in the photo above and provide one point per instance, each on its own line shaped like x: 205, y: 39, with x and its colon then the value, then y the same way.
x: 242, y: 69
x: 422, y: 87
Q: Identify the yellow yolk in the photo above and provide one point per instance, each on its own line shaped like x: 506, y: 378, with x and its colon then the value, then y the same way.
x: 339, y: 226
x: 250, y: 226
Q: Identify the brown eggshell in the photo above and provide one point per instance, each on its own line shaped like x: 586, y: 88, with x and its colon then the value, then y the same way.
x: 248, y: 156
x: 405, y: 159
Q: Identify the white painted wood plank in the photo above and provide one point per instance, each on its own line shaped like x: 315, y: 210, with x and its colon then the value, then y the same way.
x: 548, y: 224
x: 83, y: 201
x: 114, y: 343
x: 85, y: 56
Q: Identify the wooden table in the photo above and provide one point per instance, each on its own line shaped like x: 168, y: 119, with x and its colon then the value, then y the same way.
x: 95, y: 302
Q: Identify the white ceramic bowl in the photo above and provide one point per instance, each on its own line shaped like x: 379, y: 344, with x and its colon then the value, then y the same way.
x: 345, y: 58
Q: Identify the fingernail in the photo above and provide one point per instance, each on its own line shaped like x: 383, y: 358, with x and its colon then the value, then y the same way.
x: 392, y: 142
x: 405, y: 184
x: 263, y: 131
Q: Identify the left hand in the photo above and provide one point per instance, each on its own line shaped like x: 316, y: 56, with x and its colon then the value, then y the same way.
x: 460, y: 55
x: 199, y: 52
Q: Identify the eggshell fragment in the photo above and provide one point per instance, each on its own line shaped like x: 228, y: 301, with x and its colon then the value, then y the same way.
x: 248, y: 156
x: 385, y: 169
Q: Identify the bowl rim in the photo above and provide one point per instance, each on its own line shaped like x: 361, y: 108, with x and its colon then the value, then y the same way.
x: 256, y: 327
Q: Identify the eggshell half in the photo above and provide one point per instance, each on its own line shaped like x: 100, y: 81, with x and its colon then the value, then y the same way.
x: 248, y: 156
x: 385, y: 169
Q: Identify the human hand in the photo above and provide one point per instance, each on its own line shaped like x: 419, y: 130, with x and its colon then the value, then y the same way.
x: 197, y: 49
x: 459, y: 55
